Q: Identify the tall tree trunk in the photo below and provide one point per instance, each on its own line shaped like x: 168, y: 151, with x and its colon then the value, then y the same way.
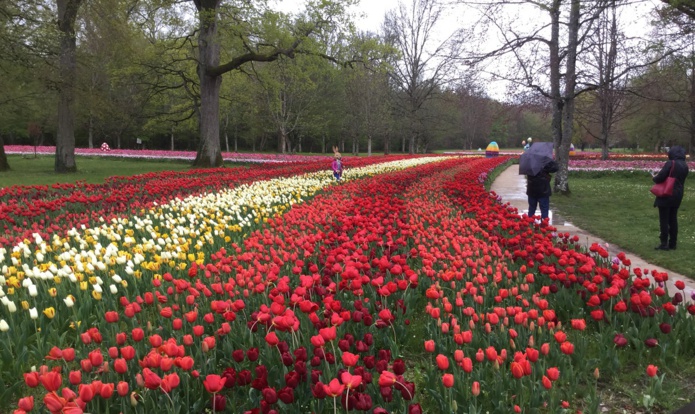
x: 91, y: 130
x: 65, y: 139
x: 172, y: 137
x: 387, y: 144
x: 692, y: 105
x: 209, y: 151
x: 226, y: 136
x: 563, y: 150
x: 4, y: 165
x: 369, y: 145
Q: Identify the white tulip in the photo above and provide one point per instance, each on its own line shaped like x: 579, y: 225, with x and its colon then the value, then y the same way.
x: 11, y: 307
x: 32, y: 290
x: 113, y: 289
x: 69, y: 302
x: 4, y: 327
x: 33, y: 313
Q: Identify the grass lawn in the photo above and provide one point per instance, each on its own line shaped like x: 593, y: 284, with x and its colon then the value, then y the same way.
x: 618, y: 208
x: 93, y: 170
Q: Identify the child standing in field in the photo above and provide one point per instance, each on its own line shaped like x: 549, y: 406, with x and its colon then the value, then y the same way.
x: 337, y: 164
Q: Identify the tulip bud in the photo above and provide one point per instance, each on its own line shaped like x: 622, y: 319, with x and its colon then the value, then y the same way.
x: 597, y: 375
x: 133, y: 399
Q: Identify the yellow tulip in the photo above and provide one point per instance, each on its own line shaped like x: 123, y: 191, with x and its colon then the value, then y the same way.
x: 10, y: 291
x: 96, y: 295
x: 49, y: 312
x: 52, y: 291
x: 84, y: 285
x: 57, y: 279
x: 25, y: 305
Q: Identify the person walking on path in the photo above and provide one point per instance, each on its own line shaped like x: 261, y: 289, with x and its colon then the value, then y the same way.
x: 537, y: 164
x: 337, y: 164
x: 528, y: 143
x: 668, y: 206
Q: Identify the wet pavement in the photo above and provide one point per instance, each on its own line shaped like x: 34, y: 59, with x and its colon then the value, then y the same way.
x: 511, y: 187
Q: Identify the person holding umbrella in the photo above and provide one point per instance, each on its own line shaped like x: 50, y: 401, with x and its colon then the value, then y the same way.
x: 537, y: 163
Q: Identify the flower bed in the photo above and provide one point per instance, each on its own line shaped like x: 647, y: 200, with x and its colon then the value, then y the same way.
x: 311, y: 308
x: 166, y: 155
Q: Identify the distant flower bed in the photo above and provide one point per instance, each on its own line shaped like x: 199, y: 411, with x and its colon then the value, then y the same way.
x: 105, y: 151
x: 618, y: 165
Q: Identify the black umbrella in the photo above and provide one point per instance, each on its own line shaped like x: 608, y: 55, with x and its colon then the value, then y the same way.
x: 535, y: 158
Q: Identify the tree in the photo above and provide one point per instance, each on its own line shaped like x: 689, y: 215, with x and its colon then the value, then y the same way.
x: 686, y: 7
x: 606, y: 104
x: 65, y: 138
x: 258, y: 42
x: 425, y: 63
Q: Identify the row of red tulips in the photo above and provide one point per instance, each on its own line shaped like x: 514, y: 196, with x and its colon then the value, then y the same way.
x: 55, y: 209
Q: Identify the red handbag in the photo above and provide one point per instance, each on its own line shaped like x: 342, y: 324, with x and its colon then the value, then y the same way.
x: 665, y: 188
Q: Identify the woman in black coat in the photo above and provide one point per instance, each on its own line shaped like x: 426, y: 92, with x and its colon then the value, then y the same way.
x: 668, y: 206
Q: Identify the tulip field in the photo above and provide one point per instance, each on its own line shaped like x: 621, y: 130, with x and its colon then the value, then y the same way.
x: 404, y: 288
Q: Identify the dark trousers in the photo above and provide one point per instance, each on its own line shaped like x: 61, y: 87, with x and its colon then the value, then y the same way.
x: 544, y: 203
x: 668, y: 226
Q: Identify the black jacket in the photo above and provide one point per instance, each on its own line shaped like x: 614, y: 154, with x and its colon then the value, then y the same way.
x: 538, y: 186
x: 680, y: 172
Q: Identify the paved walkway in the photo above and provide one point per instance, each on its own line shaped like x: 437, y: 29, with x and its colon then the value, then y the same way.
x: 511, y: 187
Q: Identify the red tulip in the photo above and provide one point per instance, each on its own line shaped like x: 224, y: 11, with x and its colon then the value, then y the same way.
x: 387, y: 379
x: 334, y: 388
x: 475, y: 388
x: 152, y: 380
x: 442, y: 362
x: 111, y: 317
x: 567, y: 348
x: 349, y: 359
x: 120, y: 366
x: 86, y: 392
x: 31, y: 379
x: 350, y: 381
x: 137, y: 334
x: 652, y: 370
x: 429, y: 345
x: 51, y: 381
x: 54, y: 402
x: 272, y: 339
x: 214, y: 383
x: 546, y: 382
x: 553, y: 373
x: 578, y: 324
x: 517, y: 370
x: 107, y: 390
x: 651, y: 342
x: 448, y: 380
x: 122, y: 388
x: 26, y: 403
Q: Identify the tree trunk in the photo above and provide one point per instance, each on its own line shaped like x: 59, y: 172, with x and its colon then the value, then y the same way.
x: 172, y: 138
x: 91, y: 130
x: 4, y: 165
x: 226, y: 136
x: 692, y: 106
x: 209, y: 151
x: 387, y: 143
x: 369, y: 145
x: 65, y: 137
